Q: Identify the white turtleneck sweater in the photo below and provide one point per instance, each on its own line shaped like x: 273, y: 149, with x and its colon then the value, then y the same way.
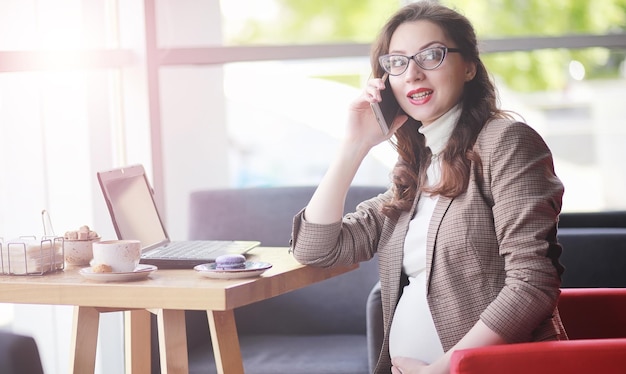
x: 413, y: 332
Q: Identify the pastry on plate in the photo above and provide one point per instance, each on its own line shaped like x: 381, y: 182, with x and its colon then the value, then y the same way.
x: 101, y: 268
x: 230, y: 262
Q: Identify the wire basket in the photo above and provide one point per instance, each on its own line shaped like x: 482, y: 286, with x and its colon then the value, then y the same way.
x: 29, y: 255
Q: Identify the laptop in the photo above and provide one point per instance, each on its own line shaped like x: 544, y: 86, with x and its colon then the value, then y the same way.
x: 129, y: 198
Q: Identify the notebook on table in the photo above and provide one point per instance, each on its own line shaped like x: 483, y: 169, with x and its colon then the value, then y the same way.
x: 130, y: 201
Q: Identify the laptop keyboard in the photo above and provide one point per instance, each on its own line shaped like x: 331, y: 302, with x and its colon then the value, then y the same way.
x: 193, y: 249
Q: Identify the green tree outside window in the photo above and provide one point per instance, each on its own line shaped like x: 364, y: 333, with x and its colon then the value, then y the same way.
x: 314, y: 22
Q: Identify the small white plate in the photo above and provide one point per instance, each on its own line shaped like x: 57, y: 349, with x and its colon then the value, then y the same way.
x: 252, y: 269
x: 142, y: 271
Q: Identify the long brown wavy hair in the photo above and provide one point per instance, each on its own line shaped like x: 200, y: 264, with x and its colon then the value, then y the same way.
x: 479, y: 105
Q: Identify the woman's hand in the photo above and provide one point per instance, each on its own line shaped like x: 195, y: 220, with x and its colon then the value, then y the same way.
x: 362, y: 133
x: 407, y: 365
x: 362, y: 124
x: 478, y: 336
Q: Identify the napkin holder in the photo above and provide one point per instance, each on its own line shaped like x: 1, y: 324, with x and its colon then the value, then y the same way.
x: 31, y: 256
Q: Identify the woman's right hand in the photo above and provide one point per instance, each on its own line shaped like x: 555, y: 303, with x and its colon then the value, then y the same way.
x: 362, y: 133
x: 362, y: 125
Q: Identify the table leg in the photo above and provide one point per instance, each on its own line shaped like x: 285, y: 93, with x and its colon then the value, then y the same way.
x: 84, y: 339
x: 172, y: 341
x: 137, y: 341
x: 225, y: 341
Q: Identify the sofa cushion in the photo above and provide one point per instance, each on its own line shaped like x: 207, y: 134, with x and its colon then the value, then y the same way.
x: 593, y: 257
x: 273, y: 354
x: 614, y: 218
x: 334, y: 306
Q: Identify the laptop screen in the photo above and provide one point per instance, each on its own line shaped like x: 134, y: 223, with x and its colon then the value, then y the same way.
x: 133, y: 211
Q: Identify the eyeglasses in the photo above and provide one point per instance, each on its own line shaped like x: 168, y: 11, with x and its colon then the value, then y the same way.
x: 428, y: 59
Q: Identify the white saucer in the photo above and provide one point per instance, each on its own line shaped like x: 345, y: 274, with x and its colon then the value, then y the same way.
x: 142, y: 271
x: 252, y: 269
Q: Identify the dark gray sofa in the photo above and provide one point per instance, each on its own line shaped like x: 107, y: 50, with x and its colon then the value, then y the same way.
x: 19, y: 354
x: 315, y: 330
x: 594, y: 249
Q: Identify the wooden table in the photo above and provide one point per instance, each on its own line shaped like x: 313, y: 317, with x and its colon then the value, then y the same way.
x: 167, y: 293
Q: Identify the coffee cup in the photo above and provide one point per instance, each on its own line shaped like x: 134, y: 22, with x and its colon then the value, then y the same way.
x: 122, y: 256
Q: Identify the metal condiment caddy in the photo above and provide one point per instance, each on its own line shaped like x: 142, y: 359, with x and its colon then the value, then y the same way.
x: 28, y: 255
x: 31, y: 256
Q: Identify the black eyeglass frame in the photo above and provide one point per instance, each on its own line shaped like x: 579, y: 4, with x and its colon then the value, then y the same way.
x: 409, y: 58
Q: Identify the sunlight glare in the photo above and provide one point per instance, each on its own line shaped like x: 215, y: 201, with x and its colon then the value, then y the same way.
x: 60, y: 23
x: 576, y: 70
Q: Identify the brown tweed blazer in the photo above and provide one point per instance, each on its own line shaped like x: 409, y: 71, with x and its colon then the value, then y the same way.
x: 492, y: 252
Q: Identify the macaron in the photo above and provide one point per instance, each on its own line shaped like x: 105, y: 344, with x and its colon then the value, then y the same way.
x: 230, y: 261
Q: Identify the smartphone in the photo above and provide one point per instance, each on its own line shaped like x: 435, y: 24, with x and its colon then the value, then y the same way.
x: 386, y: 110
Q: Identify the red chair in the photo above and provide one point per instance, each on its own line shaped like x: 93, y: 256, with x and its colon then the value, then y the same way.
x: 595, y: 321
